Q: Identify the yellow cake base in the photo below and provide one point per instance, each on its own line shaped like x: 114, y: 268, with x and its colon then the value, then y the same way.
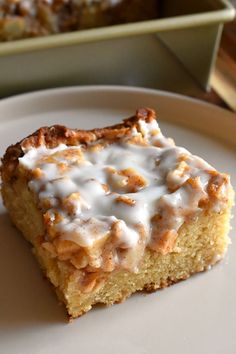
x: 201, y: 243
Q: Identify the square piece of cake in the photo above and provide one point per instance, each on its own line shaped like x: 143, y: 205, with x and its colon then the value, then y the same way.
x: 115, y: 210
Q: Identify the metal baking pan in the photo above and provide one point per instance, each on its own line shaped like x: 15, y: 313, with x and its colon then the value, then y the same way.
x: 172, y: 52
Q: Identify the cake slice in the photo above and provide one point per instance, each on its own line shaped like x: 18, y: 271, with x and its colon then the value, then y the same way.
x: 115, y: 210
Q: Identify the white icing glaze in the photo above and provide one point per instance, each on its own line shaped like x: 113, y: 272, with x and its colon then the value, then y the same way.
x: 92, y: 193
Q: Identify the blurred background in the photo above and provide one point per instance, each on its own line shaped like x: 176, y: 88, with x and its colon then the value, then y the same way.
x: 184, y: 46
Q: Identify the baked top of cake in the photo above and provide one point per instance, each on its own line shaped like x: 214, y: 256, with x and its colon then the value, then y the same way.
x: 33, y: 18
x: 108, y: 194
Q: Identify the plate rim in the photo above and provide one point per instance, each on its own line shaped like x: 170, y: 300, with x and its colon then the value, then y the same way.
x: 214, y: 119
x: 51, y: 326
x: 135, y: 89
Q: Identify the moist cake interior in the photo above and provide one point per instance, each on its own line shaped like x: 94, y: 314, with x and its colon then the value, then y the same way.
x: 116, y: 210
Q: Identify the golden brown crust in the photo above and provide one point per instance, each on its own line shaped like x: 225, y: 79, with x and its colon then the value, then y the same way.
x: 58, y: 134
x: 201, y: 241
x: 52, y: 136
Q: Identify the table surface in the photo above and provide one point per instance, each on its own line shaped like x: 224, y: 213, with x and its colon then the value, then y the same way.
x: 223, y: 91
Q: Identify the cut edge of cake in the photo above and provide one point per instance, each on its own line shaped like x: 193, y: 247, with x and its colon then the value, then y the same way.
x: 201, y: 242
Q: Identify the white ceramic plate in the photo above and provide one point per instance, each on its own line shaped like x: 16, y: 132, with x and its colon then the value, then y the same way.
x: 195, y: 316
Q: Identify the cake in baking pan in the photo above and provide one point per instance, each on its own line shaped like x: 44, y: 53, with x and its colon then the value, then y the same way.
x: 33, y: 18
